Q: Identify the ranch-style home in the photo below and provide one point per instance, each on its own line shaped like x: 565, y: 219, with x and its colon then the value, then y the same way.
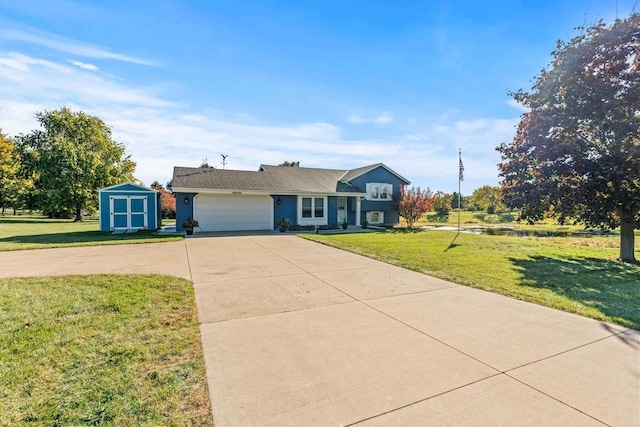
x: 233, y: 200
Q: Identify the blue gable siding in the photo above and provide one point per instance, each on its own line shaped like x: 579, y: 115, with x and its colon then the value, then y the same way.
x: 184, y: 210
x: 380, y: 175
x: 332, y: 210
x: 351, y: 211
x: 288, y: 208
x: 153, y: 203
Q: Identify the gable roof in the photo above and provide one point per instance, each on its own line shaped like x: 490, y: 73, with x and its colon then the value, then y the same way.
x: 221, y: 179
x: 271, y: 179
x: 355, y: 173
x: 126, y: 186
x: 308, y: 179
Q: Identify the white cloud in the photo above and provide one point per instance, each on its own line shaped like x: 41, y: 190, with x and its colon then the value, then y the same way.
x: 74, y: 47
x: 382, y: 119
x: 160, y: 133
x: 84, y: 65
x: 415, y: 137
x: 14, y: 64
x: 515, y: 104
x: 466, y: 126
x: 45, y: 80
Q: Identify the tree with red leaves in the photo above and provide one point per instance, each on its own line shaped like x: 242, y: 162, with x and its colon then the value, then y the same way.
x: 168, y: 201
x: 414, y: 203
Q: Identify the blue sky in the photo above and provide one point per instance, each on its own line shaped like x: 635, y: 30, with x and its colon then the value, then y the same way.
x: 337, y: 84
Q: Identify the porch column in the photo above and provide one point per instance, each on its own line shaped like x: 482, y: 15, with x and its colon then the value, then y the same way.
x: 357, y: 210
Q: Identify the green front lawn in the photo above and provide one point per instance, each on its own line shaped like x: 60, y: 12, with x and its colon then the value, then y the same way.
x: 576, y: 275
x: 96, y: 350
x: 37, y: 232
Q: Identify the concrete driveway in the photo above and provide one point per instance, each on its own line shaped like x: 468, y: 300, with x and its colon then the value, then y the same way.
x: 297, y: 333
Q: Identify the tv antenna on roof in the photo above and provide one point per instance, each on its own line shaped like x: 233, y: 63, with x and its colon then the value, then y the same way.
x: 224, y: 160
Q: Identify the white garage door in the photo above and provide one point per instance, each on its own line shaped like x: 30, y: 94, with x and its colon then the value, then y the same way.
x: 233, y: 212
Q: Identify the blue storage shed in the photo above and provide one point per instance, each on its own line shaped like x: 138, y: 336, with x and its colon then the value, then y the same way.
x: 128, y: 207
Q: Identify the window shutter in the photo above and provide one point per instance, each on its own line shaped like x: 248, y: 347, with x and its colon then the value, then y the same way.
x: 368, y: 191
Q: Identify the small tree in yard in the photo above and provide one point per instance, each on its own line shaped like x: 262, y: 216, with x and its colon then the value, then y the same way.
x: 442, y: 203
x: 168, y: 204
x: 488, y: 199
x: 168, y: 200
x: 414, y: 203
x: 576, y: 153
x: 455, y: 199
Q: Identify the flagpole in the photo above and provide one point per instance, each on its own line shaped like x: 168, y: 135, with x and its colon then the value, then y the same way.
x: 459, y: 178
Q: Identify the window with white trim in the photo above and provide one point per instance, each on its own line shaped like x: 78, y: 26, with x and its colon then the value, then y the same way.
x: 375, y: 217
x: 312, y: 207
x: 379, y: 191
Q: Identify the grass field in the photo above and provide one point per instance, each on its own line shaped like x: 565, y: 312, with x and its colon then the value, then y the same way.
x: 576, y: 275
x: 101, y: 350
x: 36, y: 232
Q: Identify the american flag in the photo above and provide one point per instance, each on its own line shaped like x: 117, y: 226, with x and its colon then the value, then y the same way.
x: 461, y: 177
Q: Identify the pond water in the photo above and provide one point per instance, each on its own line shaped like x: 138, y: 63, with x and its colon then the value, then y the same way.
x: 525, y: 232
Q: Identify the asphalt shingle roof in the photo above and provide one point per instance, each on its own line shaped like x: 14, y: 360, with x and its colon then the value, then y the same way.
x: 271, y: 179
x: 222, y: 179
x: 350, y: 174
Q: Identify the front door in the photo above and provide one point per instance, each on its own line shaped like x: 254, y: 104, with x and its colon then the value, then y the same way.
x: 342, y: 209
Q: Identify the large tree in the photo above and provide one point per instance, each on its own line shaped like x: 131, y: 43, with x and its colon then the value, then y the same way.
x: 576, y: 154
x: 72, y: 158
x: 9, y: 169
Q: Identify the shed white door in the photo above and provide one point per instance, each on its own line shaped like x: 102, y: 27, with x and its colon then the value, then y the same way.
x: 233, y: 212
x: 128, y: 212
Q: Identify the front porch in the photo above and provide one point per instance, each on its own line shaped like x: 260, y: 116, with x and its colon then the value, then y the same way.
x: 327, y: 211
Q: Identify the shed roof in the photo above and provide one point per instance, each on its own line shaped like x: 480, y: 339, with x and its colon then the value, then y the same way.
x: 127, y: 186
